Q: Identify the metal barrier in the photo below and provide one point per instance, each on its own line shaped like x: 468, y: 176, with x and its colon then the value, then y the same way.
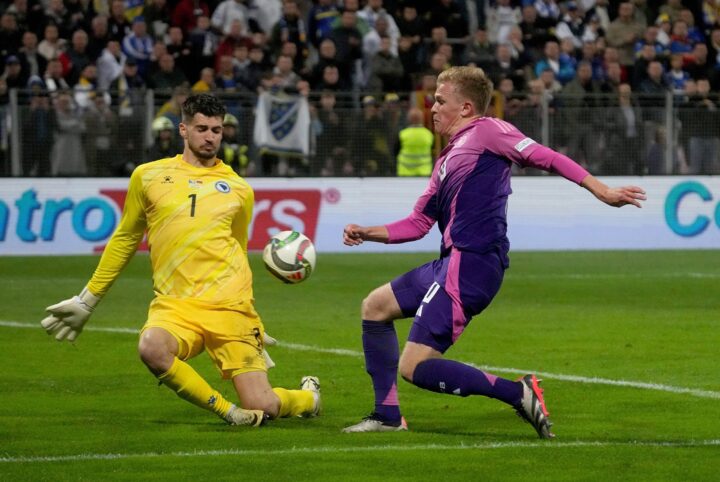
x: 79, y: 134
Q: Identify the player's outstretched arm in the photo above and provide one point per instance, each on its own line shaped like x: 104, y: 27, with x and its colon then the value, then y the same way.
x: 614, y: 196
x: 354, y: 235
x: 67, y: 318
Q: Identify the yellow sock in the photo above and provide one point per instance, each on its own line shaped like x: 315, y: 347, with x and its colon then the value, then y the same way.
x: 294, y: 402
x: 190, y: 386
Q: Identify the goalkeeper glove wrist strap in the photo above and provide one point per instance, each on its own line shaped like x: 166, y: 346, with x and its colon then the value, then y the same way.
x: 88, y: 299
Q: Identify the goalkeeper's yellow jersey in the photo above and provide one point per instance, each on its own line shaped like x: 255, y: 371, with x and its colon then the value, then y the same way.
x: 197, y: 225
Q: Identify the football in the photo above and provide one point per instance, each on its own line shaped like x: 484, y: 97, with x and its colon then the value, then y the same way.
x: 290, y: 256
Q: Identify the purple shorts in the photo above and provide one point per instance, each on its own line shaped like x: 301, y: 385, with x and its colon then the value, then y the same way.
x: 444, y: 294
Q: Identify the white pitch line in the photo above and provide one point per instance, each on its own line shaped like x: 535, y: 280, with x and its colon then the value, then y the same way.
x: 354, y: 353
x: 372, y: 448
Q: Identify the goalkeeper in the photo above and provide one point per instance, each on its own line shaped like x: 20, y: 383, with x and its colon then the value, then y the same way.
x: 196, y: 211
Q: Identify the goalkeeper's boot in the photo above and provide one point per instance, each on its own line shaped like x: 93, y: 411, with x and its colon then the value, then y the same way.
x: 375, y: 423
x: 531, y: 407
x: 312, y: 384
x: 241, y: 416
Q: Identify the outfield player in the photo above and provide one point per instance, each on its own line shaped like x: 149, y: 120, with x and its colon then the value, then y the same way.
x: 196, y: 211
x: 467, y: 196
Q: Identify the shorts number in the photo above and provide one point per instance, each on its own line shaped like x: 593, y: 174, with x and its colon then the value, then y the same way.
x: 431, y: 292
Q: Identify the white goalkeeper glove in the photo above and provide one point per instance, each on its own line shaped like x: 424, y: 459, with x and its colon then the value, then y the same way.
x: 268, y: 341
x: 67, y: 318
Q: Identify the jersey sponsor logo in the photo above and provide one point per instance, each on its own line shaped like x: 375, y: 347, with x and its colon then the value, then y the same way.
x: 520, y: 146
x: 195, y: 183
x: 168, y: 180
x: 222, y: 186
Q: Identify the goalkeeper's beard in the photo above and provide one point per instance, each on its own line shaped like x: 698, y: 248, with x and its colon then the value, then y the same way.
x: 205, y: 155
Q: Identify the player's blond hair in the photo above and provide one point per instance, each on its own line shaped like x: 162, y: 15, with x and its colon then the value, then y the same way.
x: 470, y: 83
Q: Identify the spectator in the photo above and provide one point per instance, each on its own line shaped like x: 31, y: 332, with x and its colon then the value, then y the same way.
x: 438, y: 63
x: 172, y: 109
x: 118, y: 25
x: 360, y: 23
x: 676, y: 77
x: 700, y: 118
x: 129, y: 89
x: 680, y: 41
x: 646, y: 55
x: 32, y: 62
x: 580, y: 101
x: 694, y: 33
x: 37, y: 136
x: 75, y: 58
x: 157, y: 16
x: 480, y: 51
x: 255, y: 70
x: 386, y: 70
x: 500, y: 19
x: 664, y: 30
x: 590, y: 54
x: 561, y: 66
x: 613, y: 79
x: 697, y: 63
x: 370, y: 146
x: 655, y: 156
x: 110, y: 64
x: 623, y: 128
x: 291, y: 28
x: 204, y: 43
x: 181, y: 50
x: 187, y: 13
x: 86, y: 87
x: 51, y: 46
x: 505, y: 67
x: 53, y: 78
x: 169, y: 76
x: 99, y: 139
x: 409, y: 55
x: 320, y: 19
x: 592, y: 30
x: 536, y: 31
x: 348, y: 41
x: 447, y: 14
x: 67, y: 157
x: 229, y: 10
x: 332, y: 128
x: 411, y: 25
x: 650, y: 37
x: 13, y: 76
x: 139, y: 45
x: 165, y: 140
x: 206, y: 83
x: 233, y: 148
x: 286, y: 77
x: 672, y: 9
x: 622, y: 34
x: 330, y: 79
x: 414, y: 153
x: 98, y: 37
x: 548, y: 9
x: 372, y: 39
x: 56, y: 13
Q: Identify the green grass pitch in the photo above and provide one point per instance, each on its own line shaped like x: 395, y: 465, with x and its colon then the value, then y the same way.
x: 627, y: 343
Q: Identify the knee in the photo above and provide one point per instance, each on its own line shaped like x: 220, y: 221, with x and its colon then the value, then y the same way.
x: 373, y: 309
x: 406, y: 368
x: 155, y: 356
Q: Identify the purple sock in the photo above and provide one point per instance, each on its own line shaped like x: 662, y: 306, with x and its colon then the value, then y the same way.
x: 382, y: 353
x: 448, y: 376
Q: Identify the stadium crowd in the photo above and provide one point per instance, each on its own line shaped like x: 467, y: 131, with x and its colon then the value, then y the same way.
x: 87, y: 64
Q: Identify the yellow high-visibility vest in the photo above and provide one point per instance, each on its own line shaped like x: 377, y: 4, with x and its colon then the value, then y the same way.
x: 415, y: 156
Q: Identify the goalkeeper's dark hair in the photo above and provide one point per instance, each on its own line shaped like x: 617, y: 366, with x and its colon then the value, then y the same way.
x: 205, y: 104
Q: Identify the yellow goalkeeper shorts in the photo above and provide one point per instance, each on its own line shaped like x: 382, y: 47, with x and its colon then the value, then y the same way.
x: 233, y: 337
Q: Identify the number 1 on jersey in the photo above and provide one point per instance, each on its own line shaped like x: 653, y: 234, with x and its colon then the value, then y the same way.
x: 193, y: 199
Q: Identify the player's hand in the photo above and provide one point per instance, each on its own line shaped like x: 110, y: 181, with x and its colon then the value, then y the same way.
x: 67, y: 318
x: 621, y: 196
x: 354, y: 235
x: 268, y: 341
